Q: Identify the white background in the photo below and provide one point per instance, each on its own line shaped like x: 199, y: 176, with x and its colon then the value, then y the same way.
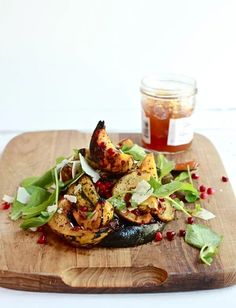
x: 74, y: 56
x: 67, y: 64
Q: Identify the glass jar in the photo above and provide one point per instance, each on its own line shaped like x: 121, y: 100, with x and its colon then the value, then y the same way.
x: 168, y: 102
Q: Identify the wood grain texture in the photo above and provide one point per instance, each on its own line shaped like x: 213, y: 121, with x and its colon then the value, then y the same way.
x: 155, y: 267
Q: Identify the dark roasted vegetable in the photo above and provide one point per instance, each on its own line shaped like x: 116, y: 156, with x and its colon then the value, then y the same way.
x: 132, y: 235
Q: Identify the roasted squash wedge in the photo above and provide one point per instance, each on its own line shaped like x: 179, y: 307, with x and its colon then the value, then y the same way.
x: 74, y: 224
x: 144, y: 171
x: 60, y: 224
x: 106, y: 155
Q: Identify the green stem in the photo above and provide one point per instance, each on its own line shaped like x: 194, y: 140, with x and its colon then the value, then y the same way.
x: 178, y: 206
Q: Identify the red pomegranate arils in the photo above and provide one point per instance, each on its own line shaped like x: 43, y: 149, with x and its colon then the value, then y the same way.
x: 6, y: 206
x: 182, y: 233
x: 158, y: 236
x: 190, y: 220
x: 210, y: 191
x: 170, y: 235
x: 202, y: 188
x: 203, y: 195
x: 42, y: 239
x: 195, y: 176
x: 224, y: 179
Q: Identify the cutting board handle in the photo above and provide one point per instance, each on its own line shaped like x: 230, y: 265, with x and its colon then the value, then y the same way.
x: 114, y: 277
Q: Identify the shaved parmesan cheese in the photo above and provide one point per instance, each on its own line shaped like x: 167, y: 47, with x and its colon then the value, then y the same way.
x: 22, y: 195
x: 52, y: 208
x: 71, y: 198
x: 88, y: 170
x: 142, y: 192
x: 78, y: 188
x: 8, y: 199
x: 62, y: 164
x: 60, y: 211
x: 33, y: 229
x: 204, y: 214
x: 75, y: 167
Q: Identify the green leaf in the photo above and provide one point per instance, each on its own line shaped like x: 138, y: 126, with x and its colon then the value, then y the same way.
x: 167, y: 189
x: 191, y: 196
x: 60, y: 159
x: 182, y: 176
x: 118, y: 203
x: 164, y: 165
x: 207, y: 253
x: 137, y: 152
x: 28, y: 181
x: 16, y: 210
x: 199, y: 235
x: 44, y: 214
x: 36, y: 210
x: 154, y: 183
x: 44, y: 181
x: 178, y: 205
x: 35, y: 222
x: 90, y: 214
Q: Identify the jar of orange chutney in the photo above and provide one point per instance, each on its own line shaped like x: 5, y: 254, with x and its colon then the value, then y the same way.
x: 168, y: 103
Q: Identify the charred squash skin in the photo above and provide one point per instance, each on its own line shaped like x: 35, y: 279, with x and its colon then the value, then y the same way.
x: 131, y: 236
x: 104, y: 153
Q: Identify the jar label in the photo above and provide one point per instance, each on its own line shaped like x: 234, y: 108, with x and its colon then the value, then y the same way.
x: 180, y: 131
x: 146, y: 135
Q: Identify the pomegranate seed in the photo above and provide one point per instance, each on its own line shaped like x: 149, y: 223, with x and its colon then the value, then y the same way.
x: 173, y: 196
x: 203, y: 195
x: 102, y: 145
x: 40, y: 229
x: 158, y: 236
x: 190, y: 220
x: 224, y: 179
x: 210, y: 191
x: 162, y: 200
x: 111, y: 152
x: 195, y: 176
x: 83, y: 209
x: 170, y: 235
x: 6, y: 206
x: 182, y: 232
x: 42, y: 239
x: 136, y: 212
x: 202, y: 188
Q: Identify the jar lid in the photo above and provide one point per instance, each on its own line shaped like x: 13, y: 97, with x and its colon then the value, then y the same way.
x: 168, y: 86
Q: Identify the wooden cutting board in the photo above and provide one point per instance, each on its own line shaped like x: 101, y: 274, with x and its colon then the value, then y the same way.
x: 154, y: 267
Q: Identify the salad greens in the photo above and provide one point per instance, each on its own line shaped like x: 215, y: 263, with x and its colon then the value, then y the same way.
x: 202, y: 237
x: 43, y: 196
x: 138, y: 153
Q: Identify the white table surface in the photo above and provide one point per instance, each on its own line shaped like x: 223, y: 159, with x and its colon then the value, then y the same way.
x: 218, y: 125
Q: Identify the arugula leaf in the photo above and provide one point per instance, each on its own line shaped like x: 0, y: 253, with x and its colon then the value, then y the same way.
x: 44, y: 181
x: 29, y: 181
x: 207, y: 253
x: 154, y: 183
x: 182, y: 176
x: 60, y: 159
x: 38, y: 195
x: 35, y: 222
x: 90, y: 214
x: 36, y: 210
x: 178, y: 205
x: 16, y: 210
x: 167, y: 189
x: 202, y: 237
x: 136, y: 151
x: 191, y: 196
x: 164, y: 165
x: 118, y: 203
